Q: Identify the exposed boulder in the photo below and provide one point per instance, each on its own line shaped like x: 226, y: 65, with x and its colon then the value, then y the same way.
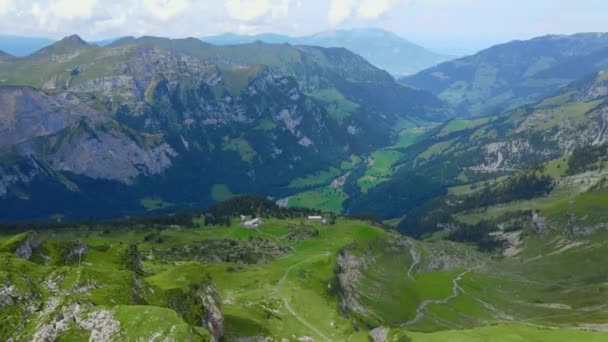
x: 101, y: 324
x: 379, y: 334
x: 131, y: 259
x: 8, y: 295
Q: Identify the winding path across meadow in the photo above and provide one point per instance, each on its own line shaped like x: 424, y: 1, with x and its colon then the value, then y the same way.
x: 415, y: 259
x: 456, y: 290
x: 286, y: 301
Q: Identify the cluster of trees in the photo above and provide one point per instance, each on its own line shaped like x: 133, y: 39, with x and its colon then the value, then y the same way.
x: 426, y: 219
x: 583, y: 158
x: 478, y: 234
x: 436, y: 213
x: 180, y: 218
x: 525, y: 186
x: 219, y: 214
x: 369, y: 218
x: 403, y: 193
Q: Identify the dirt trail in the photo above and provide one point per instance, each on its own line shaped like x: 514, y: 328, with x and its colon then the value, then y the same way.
x: 456, y: 290
x: 274, y: 238
x: 415, y: 259
x: 286, y: 301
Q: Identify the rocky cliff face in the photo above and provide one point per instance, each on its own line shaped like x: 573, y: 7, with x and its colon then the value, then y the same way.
x: 42, y: 134
x: 122, y: 159
x: 27, y: 114
x: 349, y: 276
x: 213, y: 319
x: 574, y: 117
x: 199, y: 304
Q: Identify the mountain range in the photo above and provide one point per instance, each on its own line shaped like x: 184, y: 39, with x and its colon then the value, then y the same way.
x: 148, y: 118
x: 513, y: 73
x: 383, y: 49
x: 428, y: 160
x: 468, y: 202
x: 149, y: 123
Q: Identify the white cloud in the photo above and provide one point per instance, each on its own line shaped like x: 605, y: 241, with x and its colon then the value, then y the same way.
x: 6, y: 6
x: 72, y: 9
x: 110, y: 24
x: 280, y: 8
x: 339, y: 10
x: 53, y: 13
x: 98, y: 19
x: 165, y: 9
x: 39, y: 13
x: 247, y: 9
x: 372, y: 9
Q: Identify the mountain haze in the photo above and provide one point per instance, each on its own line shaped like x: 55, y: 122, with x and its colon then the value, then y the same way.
x: 22, y: 46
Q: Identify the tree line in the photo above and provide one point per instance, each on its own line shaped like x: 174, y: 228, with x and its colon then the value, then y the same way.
x: 218, y: 214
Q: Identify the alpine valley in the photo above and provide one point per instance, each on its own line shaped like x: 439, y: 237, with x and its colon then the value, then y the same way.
x: 149, y: 122
x: 175, y: 190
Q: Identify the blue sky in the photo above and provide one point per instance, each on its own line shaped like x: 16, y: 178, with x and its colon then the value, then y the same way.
x: 434, y: 22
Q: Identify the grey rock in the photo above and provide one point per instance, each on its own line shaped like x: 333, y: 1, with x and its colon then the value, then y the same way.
x: 379, y: 334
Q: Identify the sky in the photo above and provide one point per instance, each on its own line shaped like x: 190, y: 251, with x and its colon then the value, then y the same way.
x: 434, y: 23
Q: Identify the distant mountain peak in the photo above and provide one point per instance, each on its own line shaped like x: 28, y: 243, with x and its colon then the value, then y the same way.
x: 382, y: 48
x: 4, y: 55
x: 123, y: 41
x: 67, y: 45
x: 74, y: 39
x: 176, y: 44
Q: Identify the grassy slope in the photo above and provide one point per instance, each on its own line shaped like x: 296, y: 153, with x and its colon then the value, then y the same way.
x: 460, y: 125
x: 500, y: 333
x: 339, y: 107
x: 319, y: 178
x: 154, y: 203
x: 302, y: 278
x: 240, y: 146
x: 380, y: 168
x: 324, y: 195
x: 326, y: 198
x: 248, y: 291
x: 221, y: 192
x: 555, y: 278
x: 295, y: 295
